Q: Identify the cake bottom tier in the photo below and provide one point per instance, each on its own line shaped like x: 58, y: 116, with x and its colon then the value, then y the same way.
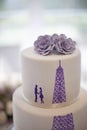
x: 28, y: 117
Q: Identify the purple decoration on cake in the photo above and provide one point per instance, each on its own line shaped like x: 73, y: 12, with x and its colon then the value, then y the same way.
x: 63, y: 122
x: 41, y: 95
x: 59, y: 95
x: 38, y: 94
x: 56, y: 39
x: 58, y: 44
x: 65, y: 46
x: 43, y: 45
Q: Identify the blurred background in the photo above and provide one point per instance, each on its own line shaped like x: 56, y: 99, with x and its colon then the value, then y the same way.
x: 21, y: 22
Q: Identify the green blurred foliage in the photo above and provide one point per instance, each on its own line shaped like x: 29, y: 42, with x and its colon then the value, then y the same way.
x: 58, y: 4
x: 2, y: 4
x: 48, y: 4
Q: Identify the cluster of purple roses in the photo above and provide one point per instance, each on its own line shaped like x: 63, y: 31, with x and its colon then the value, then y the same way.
x: 58, y: 44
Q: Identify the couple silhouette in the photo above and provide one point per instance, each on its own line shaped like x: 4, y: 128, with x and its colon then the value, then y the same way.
x: 38, y: 94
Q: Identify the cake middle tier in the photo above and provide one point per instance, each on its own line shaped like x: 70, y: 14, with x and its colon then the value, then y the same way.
x: 50, y: 80
x: 28, y: 117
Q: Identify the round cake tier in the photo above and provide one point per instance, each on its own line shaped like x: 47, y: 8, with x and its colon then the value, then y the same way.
x: 28, y: 117
x: 52, y: 80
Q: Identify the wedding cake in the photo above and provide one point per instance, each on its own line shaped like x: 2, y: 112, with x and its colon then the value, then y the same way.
x: 51, y: 97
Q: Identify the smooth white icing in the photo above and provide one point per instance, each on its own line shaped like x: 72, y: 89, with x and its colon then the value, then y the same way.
x: 28, y: 117
x: 41, y: 70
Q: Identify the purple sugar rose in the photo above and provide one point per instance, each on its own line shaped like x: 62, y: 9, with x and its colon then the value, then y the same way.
x: 62, y: 44
x: 56, y: 40
x: 43, y: 45
x: 68, y: 46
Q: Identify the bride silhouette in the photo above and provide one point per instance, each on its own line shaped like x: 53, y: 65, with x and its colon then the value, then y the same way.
x: 41, y: 95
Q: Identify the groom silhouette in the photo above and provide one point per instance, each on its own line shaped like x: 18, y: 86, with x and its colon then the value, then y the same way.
x: 36, y: 92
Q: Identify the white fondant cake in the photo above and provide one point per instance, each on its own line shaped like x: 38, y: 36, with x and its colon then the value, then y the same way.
x: 50, y: 98
x: 41, y: 70
x: 28, y: 117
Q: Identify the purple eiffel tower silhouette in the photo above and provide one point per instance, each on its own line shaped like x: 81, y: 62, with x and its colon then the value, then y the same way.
x: 59, y: 94
x: 63, y: 122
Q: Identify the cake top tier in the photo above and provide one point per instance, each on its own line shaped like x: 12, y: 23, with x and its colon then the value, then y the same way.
x: 57, y: 44
x: 51, y: 71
